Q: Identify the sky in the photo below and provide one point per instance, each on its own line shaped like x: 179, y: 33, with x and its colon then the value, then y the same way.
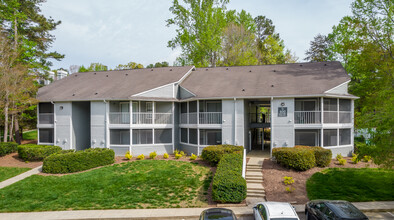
x: 119, y: 31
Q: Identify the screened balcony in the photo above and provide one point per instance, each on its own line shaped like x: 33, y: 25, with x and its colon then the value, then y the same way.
x: 119, y: 112
x: 152, y: 112
x: 45, y: 113
x: 202, y: 112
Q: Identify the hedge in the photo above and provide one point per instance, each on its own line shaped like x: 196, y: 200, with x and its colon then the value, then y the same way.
x: 297, y: 158
x: 78, y: 161
x: 228, y: 184
x: 30, y: 152
x: 214, y: 153
x: 7, y: 148
x: 322, y: 156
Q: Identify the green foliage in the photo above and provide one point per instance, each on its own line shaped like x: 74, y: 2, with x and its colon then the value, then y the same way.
x: 141, y: 157
x: 319, y: 50
x: 8, y: 172
x: 30, y: 135
x: 342, y: 161
x: 228, y: 184
x: 193, y: 157
x: 339, y: 156
x: 322, y: 156
x: 165, y: 156
x: 364, y: 43
x: 288, y: 180
x: 214, y: 153
x: 93, y: 67
x: 355, y: 159
x: 177, y: 156
x: 7, y: 148
x: 130, y: 65
x: 153, y: 155
x: 78, y: 161
x: 289, y: 189
x: 146, y: 184
x: 32, y: 152
x: 296, y: 158
x: 367, y: 158
x: 351, y: 184
x: 128, y: 155
x: 158, y: 64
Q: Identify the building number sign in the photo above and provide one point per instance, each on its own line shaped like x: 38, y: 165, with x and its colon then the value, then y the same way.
x: 282, y: 111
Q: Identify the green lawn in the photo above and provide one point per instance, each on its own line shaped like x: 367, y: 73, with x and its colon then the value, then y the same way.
x: 351, y: 184
x: 30, y: 135
x: 139, y: 184
x: 8, y: 172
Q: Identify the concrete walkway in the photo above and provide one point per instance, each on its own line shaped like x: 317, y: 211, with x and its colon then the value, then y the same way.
x: 20, y: 177
x: 254, y: 177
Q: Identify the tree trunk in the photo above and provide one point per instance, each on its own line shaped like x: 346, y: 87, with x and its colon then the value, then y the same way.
x: 17, y: 134
x: 12, y: 128
x: 6, y: 119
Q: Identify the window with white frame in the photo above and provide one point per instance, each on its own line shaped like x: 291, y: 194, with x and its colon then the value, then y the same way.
x: 330, y: 137
x: 142, y: 136
x: 345, y: 111
x: 163, y: 136
x: 307, y: 137
x: 210, y: 137
x: 344, y: 136
x: 330, y: 110
x: 46, y: 135
x: 119, y: 136
x: 192, y: 136
x: 184, y: 135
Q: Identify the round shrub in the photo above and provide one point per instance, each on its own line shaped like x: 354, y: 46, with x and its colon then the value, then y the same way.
x: 31, y: 152
x: 78, y: 161
x: 7, y: 148
x: 298, y: 159
x: 322, y: 156
x: 214, y: 153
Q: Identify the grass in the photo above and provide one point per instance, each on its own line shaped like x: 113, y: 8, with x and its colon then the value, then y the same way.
x: 8, y: 172
x: 351, y: 184
x: 138, y: 184
x: 30, y: 135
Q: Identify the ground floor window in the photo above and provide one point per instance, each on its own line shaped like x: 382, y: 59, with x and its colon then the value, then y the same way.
x: 210, y: 137
x: 330, y: 137
x: 193, y: 136
x: 142, y: 136
x: 119, y: 136
x: 184, y: 135
x: 344, y: 136
x: 307, y: 137
x: 46, y: 135
x: 163, y: 136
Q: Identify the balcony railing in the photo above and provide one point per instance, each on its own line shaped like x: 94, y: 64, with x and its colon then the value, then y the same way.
x: 45, y: 118
x: 204, y: 118
x: 210, y: 118
x: 142, y: 118
x: 307, y: 117
x: 163, y: 118
x: 119, y: 117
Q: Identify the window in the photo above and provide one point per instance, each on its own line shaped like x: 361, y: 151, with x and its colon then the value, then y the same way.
x: 119, y: 137
x: 330, y: 137
x: 193, y: 136
x: 262, y: 211
x: 184, y: 135
x: 142, y: 136
x: 345, y: 111
x: 307, y: 105
x: 344, y: 136
x: 210, y: 137
x: 46, y: 135
x: 163, y: 136
x: 307, y: 137
x: 330, y: 111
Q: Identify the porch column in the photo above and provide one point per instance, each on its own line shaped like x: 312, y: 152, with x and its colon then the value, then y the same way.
x: 321, y: 120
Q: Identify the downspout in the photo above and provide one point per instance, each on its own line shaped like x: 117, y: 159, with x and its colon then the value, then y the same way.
x: 106, y: 125
x: 272, y: 130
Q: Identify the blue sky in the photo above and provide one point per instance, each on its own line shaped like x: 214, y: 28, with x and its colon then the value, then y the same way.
x: 119, y: 31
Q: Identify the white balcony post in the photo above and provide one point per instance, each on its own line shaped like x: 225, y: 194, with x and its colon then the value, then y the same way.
x: 337, y: 111
x: 321, y: 122
x: 188, y: 113
x: 198, y: 112
x: 106, y: 124
x: 173, y: 127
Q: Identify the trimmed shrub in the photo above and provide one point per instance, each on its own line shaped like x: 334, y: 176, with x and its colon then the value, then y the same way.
x: 214, y: 153
x: 342, y: 161
x: 153, y: 155
x: 7, y: 148
x: 177, y: 156
x: 322, y: 156
x: 31, y: 152
x: 141, y: 157
x: 165, y: 156
x: 228, y: 184
x: 193, y: 157
x: 78, y: 161
x: 128, y: 155
x: 296, y: 158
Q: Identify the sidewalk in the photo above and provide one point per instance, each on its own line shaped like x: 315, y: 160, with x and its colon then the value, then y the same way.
x: 20, y: 177
x: 178, y: 213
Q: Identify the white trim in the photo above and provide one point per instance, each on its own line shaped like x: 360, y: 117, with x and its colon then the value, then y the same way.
x: 328, y: 91
x: 150, y: 90
x: 186, y: 75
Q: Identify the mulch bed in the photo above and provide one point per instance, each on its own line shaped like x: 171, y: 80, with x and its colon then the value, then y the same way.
x: 274, y: 187
x: 12, y: 160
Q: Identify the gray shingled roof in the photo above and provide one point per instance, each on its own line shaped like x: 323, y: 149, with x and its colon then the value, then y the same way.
x: 118, y: 84
x: 299, y: 79
x: 269, y: 80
